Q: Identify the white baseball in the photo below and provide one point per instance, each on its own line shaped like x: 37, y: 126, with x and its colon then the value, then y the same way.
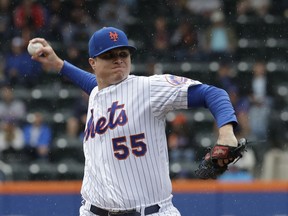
x: 32, y: 47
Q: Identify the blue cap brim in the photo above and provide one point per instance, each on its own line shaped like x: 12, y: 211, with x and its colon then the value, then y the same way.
x: 131, y: 49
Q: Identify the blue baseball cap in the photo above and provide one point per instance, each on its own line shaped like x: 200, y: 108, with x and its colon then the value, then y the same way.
x: 106, y: 39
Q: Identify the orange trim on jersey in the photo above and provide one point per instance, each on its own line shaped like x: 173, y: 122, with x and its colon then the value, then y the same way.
x: 179, y: 186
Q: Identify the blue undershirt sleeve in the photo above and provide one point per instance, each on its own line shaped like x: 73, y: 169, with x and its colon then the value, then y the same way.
x: 216, y: 100
x: 83, y: 79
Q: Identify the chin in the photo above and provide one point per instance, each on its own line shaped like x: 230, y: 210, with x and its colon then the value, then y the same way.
x: 120, y: 77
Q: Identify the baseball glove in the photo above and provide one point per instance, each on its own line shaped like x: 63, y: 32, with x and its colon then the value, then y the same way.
x: 209, y: 167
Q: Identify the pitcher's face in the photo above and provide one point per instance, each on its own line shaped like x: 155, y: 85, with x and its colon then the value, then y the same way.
x: 111, y: 67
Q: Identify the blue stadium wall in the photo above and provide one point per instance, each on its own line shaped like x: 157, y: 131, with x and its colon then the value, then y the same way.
x: 192, y: 198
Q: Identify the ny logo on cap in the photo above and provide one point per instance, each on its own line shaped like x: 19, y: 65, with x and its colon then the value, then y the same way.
x: 113, y: 36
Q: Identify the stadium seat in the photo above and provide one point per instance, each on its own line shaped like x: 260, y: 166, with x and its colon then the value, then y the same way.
x: 42, y: 170
x: 275, y: 165
x: 64, y: 148
x: 70, y: 169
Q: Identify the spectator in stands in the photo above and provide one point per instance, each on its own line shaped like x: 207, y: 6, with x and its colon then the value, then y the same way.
x: 204, y: 8
x: 78, y: 25
x: 178, y: 10
x: 259, y: 8
x: 29, y: 14
x: 220, y: 40
x: 180, y: 142
x: 260, y: 110
x: 184, y: 42
x: 11, y: 137
x: 244, y: 8
x: 72, y: 128
x: 55, y: 20
x: 114, y: 13
x: 5, y: 23
x: 160, y: 38
x: 88, y: 6
x: 226, y: 76
x: 20, y: 69
x: 11, y: 107
x: 38, y: 137
x: 261, y: 100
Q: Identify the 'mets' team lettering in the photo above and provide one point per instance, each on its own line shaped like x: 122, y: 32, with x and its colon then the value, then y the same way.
x: 102, y: 124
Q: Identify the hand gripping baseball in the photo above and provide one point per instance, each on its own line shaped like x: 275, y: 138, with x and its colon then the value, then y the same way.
x: 46, y: 55
x: 209, y: 168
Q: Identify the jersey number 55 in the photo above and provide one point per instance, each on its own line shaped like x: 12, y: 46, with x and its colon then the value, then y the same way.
x: 121, y: 149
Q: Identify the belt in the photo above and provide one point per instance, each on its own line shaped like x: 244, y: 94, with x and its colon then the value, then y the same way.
x: 102, y: 212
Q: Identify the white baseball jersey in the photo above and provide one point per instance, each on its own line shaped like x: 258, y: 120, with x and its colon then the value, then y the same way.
x: 125, y: 143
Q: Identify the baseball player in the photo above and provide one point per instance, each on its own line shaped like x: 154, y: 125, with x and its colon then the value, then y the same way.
x: 126, y: 158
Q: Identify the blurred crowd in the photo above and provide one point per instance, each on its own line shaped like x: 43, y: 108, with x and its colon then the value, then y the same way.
x: 252, y: 102
x: 176, y: 30
x: 163, y: 31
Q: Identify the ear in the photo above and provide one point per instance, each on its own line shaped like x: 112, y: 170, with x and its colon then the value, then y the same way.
x: 92, y: 62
